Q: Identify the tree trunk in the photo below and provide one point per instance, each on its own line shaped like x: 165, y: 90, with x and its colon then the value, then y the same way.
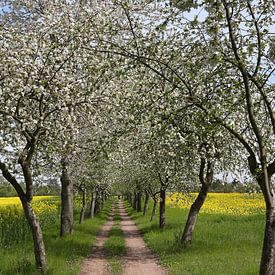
x: 154, y: 209
x: 66, y: 203
x: 39, y: 247
x: 162, y: 208
x: 82, y: 212
x: 92, y: 206
x: 25, y: 160
x: 97, y: 203
x: 139, y: 207
x: 193, y: 214
x: 130, y: 200
x: 146, y: 201
x: 103, y: 199
x: 206, y: 178
x: 135, y: 201
x: 268, y: 253
x: 267, y: 266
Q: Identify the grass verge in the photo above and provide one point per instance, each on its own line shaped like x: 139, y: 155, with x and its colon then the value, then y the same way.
x: 222, y: 244
x: 64, y: 255
x: 114, y: 247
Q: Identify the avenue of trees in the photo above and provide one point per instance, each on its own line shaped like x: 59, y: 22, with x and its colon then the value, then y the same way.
x: 138, y: 98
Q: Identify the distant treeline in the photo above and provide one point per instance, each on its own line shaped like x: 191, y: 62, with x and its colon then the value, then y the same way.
x: 53, y: 189
x: 234, y: 186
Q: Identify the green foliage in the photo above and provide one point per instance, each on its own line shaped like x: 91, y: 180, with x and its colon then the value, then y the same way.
x: 222, y: 244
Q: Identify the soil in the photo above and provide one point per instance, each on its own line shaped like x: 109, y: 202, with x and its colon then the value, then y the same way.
x: 138, y: 259
x: 96, y: 263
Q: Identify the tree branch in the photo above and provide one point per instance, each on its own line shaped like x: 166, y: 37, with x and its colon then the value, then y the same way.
x: 258, y: 39
x: 12, y: 180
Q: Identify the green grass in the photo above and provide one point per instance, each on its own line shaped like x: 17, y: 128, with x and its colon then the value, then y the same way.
x: 117, y: 217
x: 64, y: 255
x: 114, y: 247
x: 222, y: 244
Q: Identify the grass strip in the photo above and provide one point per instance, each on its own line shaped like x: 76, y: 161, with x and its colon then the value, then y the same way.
x: 114, y: 247
x: 222, y: 244
x: 117, y: 217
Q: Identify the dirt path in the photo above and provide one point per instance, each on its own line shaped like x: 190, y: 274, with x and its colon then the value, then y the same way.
x: 139, y: 259
x: 96, y: 263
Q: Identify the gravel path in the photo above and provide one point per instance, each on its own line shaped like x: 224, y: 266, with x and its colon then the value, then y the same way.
x: 139, y: 259
x: 96, y: 263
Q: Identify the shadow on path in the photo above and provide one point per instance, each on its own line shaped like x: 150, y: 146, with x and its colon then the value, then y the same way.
x: 139, y: 259
x: 96, y: 263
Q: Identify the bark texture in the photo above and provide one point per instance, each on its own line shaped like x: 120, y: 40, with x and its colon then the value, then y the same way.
x: 92, y: 206
x: 162, y: 208
x: 39, y: 247
x: 135, y: 201
x: 25, y: 160
x: 103, y: 197
x: 97, y: 202
x: 139, y: 197
x: 83, y: 208
x: 146, y: 201
x: 192, y: 216
x: 264, y: 180
x: 206, y: 179
x: 268, y: 257
x: 66, y: 202
x: 268, y: 251
x: 153, y: 213
x: 130, y: 198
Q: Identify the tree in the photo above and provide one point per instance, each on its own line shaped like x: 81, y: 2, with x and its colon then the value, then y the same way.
x: 39, y: 83
x: 232, y: 44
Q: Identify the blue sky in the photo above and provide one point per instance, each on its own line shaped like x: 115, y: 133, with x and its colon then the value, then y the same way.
x: 3, y: 8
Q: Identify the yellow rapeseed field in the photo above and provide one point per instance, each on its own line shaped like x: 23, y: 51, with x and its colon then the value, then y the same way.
x: 11, y: 206
x: 222, y: 203
x: 15, y: 200
x: 13, y: 224
x: 41, y: 204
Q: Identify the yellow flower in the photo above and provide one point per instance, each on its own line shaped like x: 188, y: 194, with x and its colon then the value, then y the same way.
x: 11, y: 207
x: 222, y: 203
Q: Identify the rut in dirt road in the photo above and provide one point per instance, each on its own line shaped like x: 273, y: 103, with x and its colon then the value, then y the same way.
x: 139, y: 259
x: 96, y: 263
